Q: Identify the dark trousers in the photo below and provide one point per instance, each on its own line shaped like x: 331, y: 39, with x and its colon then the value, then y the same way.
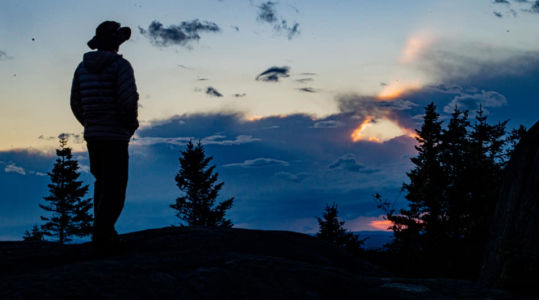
x: 109, y: 161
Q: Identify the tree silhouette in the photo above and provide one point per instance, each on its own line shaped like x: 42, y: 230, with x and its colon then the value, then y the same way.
x: 70, y: 213
x: 34, y: 235
x: 331, y: 229
x: 452, y: 192
x: 198, y: 181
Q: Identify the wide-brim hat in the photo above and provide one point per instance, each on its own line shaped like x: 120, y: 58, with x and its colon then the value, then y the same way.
x: 109, y: 34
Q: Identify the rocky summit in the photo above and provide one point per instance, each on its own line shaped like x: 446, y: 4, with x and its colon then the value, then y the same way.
x: 202, y: 263
x: 511, y: 259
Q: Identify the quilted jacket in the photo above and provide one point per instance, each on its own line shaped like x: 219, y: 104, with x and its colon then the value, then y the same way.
x: 104, y: 97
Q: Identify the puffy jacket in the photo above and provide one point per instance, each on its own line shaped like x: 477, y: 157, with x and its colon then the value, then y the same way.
x: 104, y: 97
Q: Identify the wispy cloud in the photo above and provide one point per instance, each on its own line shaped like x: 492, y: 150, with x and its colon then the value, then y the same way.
x: 13, y: 168
x: 267, y: 13
x: 211, y: 91
x: 182, y: 141
x: 273, y: 74
x: 535, y: 7
x: 259, y: 162
x: 182, y: 34
x: 294, y: 177
x: 304, y: 80
x: 349, y: 163
x: 327, y: 124
x: 472, y: 101
x: 307, y: 90
x: 4, y: 56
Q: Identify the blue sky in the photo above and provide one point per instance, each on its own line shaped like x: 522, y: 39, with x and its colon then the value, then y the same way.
x: 336, y: 124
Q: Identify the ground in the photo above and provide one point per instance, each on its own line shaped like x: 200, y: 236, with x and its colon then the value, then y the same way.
x: 201, y: 263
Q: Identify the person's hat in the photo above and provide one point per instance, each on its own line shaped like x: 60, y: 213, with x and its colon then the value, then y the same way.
x: 109, y: 35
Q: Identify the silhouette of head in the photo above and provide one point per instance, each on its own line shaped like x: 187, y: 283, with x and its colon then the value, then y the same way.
x: 109, y: 36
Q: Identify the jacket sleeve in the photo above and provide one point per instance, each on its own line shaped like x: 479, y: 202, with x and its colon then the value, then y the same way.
x: 75, y: 101
x: 127, y: 96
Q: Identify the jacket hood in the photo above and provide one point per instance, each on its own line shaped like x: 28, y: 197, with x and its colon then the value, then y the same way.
x: 96, y: 61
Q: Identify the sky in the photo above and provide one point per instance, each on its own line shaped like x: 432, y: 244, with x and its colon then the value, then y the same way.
x: 300, y: 103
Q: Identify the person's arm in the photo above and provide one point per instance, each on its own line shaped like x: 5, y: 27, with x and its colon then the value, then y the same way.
x: 127, y: 96
x: 76, y: 105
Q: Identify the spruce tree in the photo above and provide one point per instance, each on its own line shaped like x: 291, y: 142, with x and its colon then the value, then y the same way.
x: 331, y: 229
x: 198, y: 181
x: 70, y: 213
x: 455, y: 158
x: 484, y: 176
x: 452, y: 192
x: 424, y: 191
x: 34, y: 235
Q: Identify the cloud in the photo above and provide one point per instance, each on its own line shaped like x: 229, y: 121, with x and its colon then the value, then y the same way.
x: 472, y: 101
x: 307, y: 90
x: 273, y: 74
x: 213, y: 92
x: 455, y: 63
x: 182, y: 141
x: 348, y: 162
x: 303, y: 80
x: 535, y: 7
x: 259, y: 162
x: 4, y: 56
x: 291, y: 30
x: 268, y: 14
x: 298, y: 177
x: 182, y: 34
x: 72, y: 137
x: 327, y: 124
x: 12, y: 168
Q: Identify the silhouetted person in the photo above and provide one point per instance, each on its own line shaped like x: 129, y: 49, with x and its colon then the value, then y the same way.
x: 104, y: 100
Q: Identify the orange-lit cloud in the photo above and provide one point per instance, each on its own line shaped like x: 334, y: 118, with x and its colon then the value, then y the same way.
x: 258, y: 117
x: 415, y: 46
x: 397, y: 88
x: 369, y: 224
x: 381, y: 224
x: 379, y: 130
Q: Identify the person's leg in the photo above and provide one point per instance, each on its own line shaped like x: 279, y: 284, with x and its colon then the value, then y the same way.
x: 115, y: 170
x: 96, y: 168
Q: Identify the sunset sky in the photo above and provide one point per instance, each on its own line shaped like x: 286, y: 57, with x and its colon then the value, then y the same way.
x: 301, y: 103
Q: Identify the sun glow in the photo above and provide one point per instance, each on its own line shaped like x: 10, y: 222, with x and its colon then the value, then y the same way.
x: 379, y: 130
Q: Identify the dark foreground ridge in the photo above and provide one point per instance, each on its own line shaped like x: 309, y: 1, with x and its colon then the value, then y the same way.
x: 202, y: 263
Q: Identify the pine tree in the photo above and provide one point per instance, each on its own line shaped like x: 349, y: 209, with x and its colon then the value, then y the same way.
x: 70, y: 213
x: 455, y: 158
x: 452, y: 192
x: 424, y: 191
x: 34, y: 235
x: 198, y: 181
x: 331, y: 229
x: 484, y: 176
